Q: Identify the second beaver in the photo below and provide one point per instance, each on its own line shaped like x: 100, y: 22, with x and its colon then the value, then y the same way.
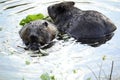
x: 38, y: 33
x: 85, y: 26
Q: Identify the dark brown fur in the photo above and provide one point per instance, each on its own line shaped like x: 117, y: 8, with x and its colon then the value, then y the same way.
x: 85, y: 26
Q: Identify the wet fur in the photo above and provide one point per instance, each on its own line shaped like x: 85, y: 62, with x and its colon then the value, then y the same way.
x: 85, y: 26
x: 38, y: 33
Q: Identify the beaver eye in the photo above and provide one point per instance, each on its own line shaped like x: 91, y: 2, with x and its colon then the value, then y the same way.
x: 45, y: 24
x: 53, y: 7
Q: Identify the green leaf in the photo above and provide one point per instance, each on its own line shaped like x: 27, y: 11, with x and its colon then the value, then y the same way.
x: 45, y: 76
x: 27, y: 62
x: 74, y: 71
x: 23, y: 22
x: 32, y: 17
x: 23, y: 78
x: 40, y: 16
x: 88, y: 78
x: 104, y: 58
x: 0, y: 29
x: 52, y: 77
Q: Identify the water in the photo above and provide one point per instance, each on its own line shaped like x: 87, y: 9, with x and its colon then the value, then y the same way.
x: 66, y: 60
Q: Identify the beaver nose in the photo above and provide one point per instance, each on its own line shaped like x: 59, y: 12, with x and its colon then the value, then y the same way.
x: 33, y: 38
x: 49, y: 8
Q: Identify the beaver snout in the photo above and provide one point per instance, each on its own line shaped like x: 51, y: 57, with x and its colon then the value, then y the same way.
x: 34, y: 46
x: 49, y: 8
x: 34, y: 42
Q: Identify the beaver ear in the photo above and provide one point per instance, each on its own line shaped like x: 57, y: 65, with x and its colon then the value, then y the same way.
x: 45, y: 24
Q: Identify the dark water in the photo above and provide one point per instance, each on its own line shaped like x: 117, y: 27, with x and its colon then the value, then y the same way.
x: 66, y: 60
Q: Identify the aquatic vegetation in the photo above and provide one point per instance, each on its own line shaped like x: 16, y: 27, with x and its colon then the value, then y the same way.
x: 104, y: 58
x: 64, y: 37
x: 43, y: 52
x: 52, y: 77
x: 27, y: 62
x: 0, y: 29
x: 89, y: 78
x: 46, y: 76
x: 23, y: 78
x: 99, y: 76
x: 32, y: 17
x: 74, y: 71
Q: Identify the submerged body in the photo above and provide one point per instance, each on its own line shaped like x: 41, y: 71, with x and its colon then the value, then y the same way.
x: 38, y: 33
x: 85, y: 26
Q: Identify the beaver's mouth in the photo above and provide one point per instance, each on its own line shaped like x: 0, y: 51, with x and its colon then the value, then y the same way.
x: 34, y: 46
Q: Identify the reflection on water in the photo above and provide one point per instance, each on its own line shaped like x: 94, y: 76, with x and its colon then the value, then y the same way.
x: 67, y: 60
x: 101, y: 41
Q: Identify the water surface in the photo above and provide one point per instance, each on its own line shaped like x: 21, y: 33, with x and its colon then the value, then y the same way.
x: 67, y: 60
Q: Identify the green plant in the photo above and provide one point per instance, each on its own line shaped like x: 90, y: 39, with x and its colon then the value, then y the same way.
x: 23, y: 78
x: 74, y: 71
x: 46, y: 76
x: 27, y: 62
x: 89, y: 78
x: 32, y: 17
x: 98, y: 77
x: 104, y: 58
x: 0, y: 29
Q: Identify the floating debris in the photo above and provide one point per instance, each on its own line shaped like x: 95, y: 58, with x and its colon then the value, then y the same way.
x: 89, y: 79
x: 74, y: 71
x: 27, y: 62
x: 39, y: 53
x: 104, y: 58
x: 0, y: 28
x: 46, y: 76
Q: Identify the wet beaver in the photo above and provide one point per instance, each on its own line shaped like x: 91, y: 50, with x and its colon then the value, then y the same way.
x: 88, y: 27
x: 38, y: 33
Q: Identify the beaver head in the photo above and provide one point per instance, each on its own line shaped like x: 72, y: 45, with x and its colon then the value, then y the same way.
x: 35, y: 34
x: 57, y: 9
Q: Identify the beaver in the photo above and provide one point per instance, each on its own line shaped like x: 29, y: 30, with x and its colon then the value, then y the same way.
x: 38, y: 33
x: 87, y: 27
